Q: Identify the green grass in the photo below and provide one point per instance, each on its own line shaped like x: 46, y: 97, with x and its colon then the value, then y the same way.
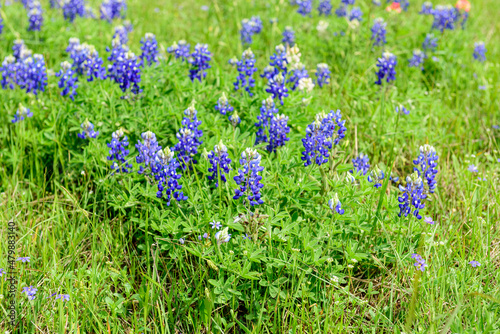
x: 108, y: 242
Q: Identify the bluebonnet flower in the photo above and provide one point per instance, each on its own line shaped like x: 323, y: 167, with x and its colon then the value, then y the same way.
x: 402, y: 109
x: 473, y: 169
x: 19, y: 50
x: 113, y: 9
x: 296, y: 75
x: 445, y: 17
x: 335, y: 205
x: 118, y: 51
x: 305, y: 7
x: 323, y: 75
x: 378, y: 32
x: 35, y: 17
x: 246, y: 236
x: 417, y: 60
x: 234, y: 119
x: 180, y: 49
x: 325, y: 7
x: 429, y: 220
x: 72, y: 44
x: 60, y: 296
x: 479, y: 51
x: 121, y: 33
x: 223, y: 236
x: 278, y: 132
x: 166, y: 174
x: 279, y: 59
x: 248, y: 178
x: 68, y: 80
x: 30, y: 292
x: 88, y: 130
x: 147, y: 150
x: 94, y: 65
x: 220, y: 161
x: 267, y: 112
x: 126, y: 71
x: 269, y: 72
x: 288, y: 36
x: 189, y: 137
x: 419, y: 262
x: 199, y: 61
x: 79, y: 54
x: 246, y: 69
x: 276, y: 87
x: 348, y: 2
x: 474, y: 264
x: 361, y: 164
x: 426, y: 166
x: 341, y: 11
x: 1, y: 23
x: 149, y: 49
x: 181, y: 241
x: 73, y: 8
x: 430, y: 43
x: 118, y: 152
x: 32, y: 74
x: 250, y: 27
x: 376, y: 176
x: 426, y: 8
x: 215, y: 225
x: 23, y: 259
x: 223, y: 105
x: 88, y: 13
x: 411, y: 199
x: 9, y: 72
x: 356, y: 14
x: 22, y: 113
x: 386, y: 68
x: 326, y: 130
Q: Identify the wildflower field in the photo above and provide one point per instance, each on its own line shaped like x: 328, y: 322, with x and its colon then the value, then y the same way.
x: 237, y: 166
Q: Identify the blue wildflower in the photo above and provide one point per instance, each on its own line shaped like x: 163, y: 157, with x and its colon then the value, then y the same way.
x: 9, y: 72
x: 419, y: 262
x: 199, y: 61
x: 223, y: 105
x: 79, y: 54
x: 147, y: 150
x: 426, y: 8
x: 189, y: 137
x: 475, y: 264
x: 118, y: 152
x: 325, y: 7
x: 250, y: 27
x: 234, y: 119
x: 68, y: 80
x: 323, y: 75
x: 1, y: 23
x: 376, y: 176
x: 223, y: 236
x: 215, y: 225
x: 35, y: 17
x: 378, y: 32
x: 180, y: 49
x: 278, y: 132
x: 276, y: 87
x: 22, y: 113
x: 348, y: 2
x: 267, y: 112
x: 24, y: 259
x: 445, y: 17
x: 326, y: 130
x: 126, y: 71
x: 19, y: 49
x: 165, y: 170
x: 361, y: 164
x: 94, y: 65
x: 296, y: 75
x: 288, y: 36
x: 341, y: 11
x: 411, y: 199
x: 88, y: 130
x: 430, y: 43
x: 479, y: 51
x: 402, y: 109
x: 246, y: 69
x: 356, y: 14
x: 121, y: 33
x: 417, y: 60
x: 32, y: 74
x: 30, y: 291
x: 248, y: 178
x: 61, y: 296
x: 112, y: 9
x: 149, y: 49
x: 335, y: 205
x: 73, y: 8
x: 429, y: 220
x: 220, y: 161
x: 427, y: 166
x: 386, y: 68
x: 473, y: 169
x: 305, y: 7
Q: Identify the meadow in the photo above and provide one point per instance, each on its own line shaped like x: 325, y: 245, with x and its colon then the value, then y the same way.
x: 346, y: 183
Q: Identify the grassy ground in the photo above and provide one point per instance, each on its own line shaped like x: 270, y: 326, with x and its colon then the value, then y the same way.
x: 109, y: 243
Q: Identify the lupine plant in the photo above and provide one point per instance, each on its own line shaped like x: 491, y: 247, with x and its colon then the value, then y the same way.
x: 22, y: 113
x: 67, y: 80
x: 188, y: 138
x: 113, y: 9
x: 417, y: 60
x: 73, y: 8
x: 87, y: 130
x: 219, y: 163
x: 325, y: 7
x: 426, y: 166
x: 246, y: 69
x: 118, y: 152
x: 248, y: 177
x: 386, y: 68
x: 379, y: 31
x: 323, y: 75
x: 199, y: 62
x: 149, y: 49
x: 223, y: 105
x: 147, y: 149
x: 165, y: 170
x: 412, y: 197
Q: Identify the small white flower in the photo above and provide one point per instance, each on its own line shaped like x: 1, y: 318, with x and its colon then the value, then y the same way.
x: 305, y: 85
x: 322, y: 26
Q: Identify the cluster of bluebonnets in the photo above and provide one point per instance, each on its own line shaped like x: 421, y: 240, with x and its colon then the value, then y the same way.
x: 285, y: 74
